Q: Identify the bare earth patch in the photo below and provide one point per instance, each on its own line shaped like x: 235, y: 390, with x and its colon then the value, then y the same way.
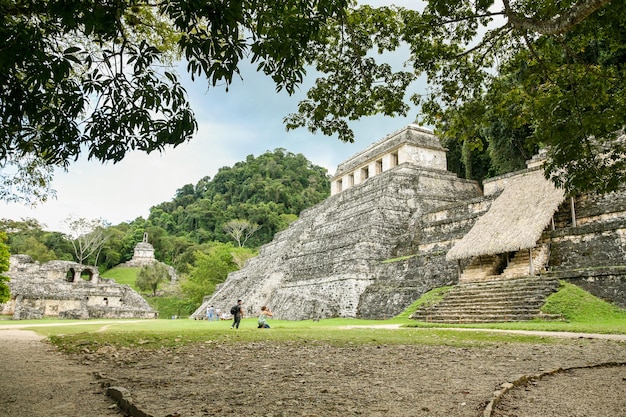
x: 36, y: 380
x: 311, y: 379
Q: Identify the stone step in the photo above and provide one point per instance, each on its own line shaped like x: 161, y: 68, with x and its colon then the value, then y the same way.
x: 517, y: 289
x: 532, y: 313
x: 503, y: 290
x: 493, y: 301
x: 479, y: 313
x: 505, y: 284
x: 485, y: 309
x: 518, y: 266
x: 481, y: 319
x: 534, y: 302
x: 514, y: 296
x: 499, y: 300
x: 528, y: 279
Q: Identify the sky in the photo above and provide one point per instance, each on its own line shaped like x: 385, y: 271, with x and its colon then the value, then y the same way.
x: 246, y: 120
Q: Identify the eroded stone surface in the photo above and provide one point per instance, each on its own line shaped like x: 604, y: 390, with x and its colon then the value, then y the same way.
x: 68, y: 290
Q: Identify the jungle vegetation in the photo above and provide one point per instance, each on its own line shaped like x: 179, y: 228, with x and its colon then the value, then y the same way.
x: 268, y: 191
x: 503, y: 78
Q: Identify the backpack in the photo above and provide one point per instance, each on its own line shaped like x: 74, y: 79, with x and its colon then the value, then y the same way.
x: 234, y: 309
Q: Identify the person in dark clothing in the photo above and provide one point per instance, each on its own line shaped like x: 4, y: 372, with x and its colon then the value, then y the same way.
x: 237, y: 316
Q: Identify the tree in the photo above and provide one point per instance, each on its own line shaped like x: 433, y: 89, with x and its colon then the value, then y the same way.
x: 211, y: 267
x: 242, y: 255
x: 563, y: 62
x: 5, y: 293
x: 269, y: 190
x: 150, y: 277
x: 30, y: 181
x: 88, y: 237
x: 240, y: 230
x: 548, y: 98
x: 87, y: 76
x: 28, y: 237
x: 91, y: 76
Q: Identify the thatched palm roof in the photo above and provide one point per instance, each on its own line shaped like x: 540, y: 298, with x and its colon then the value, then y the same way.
x: 515, y: 219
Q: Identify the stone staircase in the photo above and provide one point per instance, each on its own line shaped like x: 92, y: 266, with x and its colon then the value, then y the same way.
x: 502, y: 300
x: 495, y: 267
x: 519, y: 265
x: 482, y: 268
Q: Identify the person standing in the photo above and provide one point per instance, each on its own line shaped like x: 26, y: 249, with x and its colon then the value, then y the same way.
x: 237, y: 312
x: 210, y: 313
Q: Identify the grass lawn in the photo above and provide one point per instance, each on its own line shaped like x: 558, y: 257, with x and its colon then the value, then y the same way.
x: 167, y: 305
x: 157, y: 334
x: 581, y: 312
x: 123, y: 276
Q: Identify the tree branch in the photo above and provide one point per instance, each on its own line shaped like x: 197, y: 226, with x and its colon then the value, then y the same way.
x: 471, y: 17
x: 496, y: 34
x: 556, y: 25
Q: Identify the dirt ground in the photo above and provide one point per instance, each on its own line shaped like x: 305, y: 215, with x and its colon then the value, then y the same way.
x: 314, y: 380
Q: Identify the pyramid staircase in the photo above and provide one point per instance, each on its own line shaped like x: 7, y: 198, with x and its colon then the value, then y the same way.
x: 520, y: 264
x: 501, y: 300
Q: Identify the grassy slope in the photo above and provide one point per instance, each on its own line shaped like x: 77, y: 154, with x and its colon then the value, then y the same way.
x: 124, y: 276
x: 167, y: 305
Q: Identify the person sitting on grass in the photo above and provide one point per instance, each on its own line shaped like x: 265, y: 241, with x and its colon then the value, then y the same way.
x: 263, y: 315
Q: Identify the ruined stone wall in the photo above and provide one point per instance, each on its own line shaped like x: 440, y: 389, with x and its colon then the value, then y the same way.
x: 589, y: 246
x: 54, y: 290
x: 323, y: 263
x: 592, y: 254
x: 420, y: 258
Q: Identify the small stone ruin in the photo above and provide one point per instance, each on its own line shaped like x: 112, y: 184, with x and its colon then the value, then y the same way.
x: 144, y: 256
x: 70, y: 290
